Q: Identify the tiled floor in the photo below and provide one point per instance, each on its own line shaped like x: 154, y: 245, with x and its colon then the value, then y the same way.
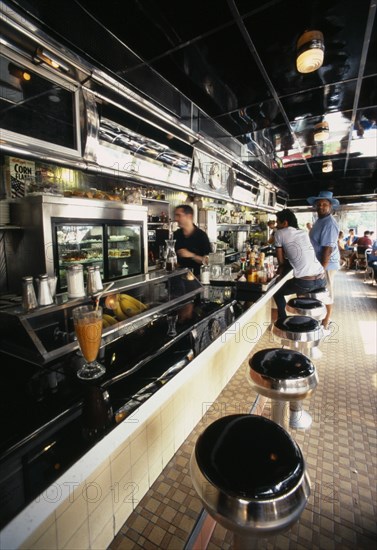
x: 340, y: 448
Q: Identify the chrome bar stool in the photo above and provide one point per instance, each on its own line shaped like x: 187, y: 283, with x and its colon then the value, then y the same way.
x: 283, y: 375
x: 303, y: 334
x: 311, y: 304
x: 251, y: 477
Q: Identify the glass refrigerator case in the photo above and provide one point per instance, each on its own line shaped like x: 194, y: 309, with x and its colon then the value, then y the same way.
x: 116, y: 247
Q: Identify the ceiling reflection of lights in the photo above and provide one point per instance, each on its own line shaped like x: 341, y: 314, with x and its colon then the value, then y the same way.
x: 18, y: 72
x: 321, y: 131
x: 327, y: 166
x: 310, y: 52
x: 43, y: 56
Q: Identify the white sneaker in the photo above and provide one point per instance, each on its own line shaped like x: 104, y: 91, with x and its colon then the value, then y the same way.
x: 300, y: 420
x: 315, y: 353
x: 327, y: 331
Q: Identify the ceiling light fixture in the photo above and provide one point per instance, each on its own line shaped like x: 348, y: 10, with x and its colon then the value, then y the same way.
x: 42, y: 56
x: 327, y: 166
x: 321, y: 131
x: 310, y: 51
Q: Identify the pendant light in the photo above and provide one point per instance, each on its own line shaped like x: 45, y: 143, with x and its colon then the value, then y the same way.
x: 321, y: 131
x: 310, y: 51
x: 327, y: 166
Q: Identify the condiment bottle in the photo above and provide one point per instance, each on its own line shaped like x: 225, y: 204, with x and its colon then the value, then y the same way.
x: 75, y: 281
x: 125, y: 269
x: 44, y: 292
x: 29, y: 299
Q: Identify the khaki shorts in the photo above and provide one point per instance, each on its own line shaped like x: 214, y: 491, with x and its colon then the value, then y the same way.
x: 330, y: 274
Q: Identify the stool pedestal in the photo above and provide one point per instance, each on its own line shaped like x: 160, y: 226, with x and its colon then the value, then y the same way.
x: 303, y: 334
x: 250, y: 476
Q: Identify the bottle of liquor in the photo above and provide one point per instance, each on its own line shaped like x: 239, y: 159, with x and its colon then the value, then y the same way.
x: 252, y: 274
x: 248, y: 252
x: 243, y: 263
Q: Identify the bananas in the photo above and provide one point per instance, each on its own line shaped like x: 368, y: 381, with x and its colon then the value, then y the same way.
x: 130, y: 305
x: 108, y: 320
x: 123, y: 306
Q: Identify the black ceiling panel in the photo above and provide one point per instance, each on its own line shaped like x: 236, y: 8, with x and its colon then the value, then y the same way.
x: 233, y: 62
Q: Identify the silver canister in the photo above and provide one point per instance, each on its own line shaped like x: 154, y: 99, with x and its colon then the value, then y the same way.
x: 91, y: 281
x: 29, y: 299
x: 75, y: 281
x: 44, y: 292
x: 99, y: 285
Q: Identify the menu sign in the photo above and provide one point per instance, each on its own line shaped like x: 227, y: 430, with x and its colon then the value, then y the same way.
x: 22, y: 174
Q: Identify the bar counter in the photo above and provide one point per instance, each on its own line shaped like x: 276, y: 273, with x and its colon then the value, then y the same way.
x: 108, y: 471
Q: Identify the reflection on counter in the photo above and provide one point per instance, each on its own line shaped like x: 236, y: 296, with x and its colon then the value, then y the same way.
x: 46, y: 334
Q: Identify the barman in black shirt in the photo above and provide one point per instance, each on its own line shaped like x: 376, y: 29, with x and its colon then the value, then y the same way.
x: 191, y: 242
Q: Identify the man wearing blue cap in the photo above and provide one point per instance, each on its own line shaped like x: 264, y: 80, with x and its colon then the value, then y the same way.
x: 324, y: 237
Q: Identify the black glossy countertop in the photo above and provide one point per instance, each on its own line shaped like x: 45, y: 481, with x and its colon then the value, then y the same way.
x: 53, y: 418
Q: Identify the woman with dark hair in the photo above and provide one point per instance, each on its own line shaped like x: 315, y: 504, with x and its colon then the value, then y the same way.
x: 294, y: 244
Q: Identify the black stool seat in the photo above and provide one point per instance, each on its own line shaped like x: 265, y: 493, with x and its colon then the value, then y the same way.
x: 297, y: 323
x: 305, y: 303
x: 310, y: 307
x: 298, y: 328
x: 250, y: 474
x: 282, y: 374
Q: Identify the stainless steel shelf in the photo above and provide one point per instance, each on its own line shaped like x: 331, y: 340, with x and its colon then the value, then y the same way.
x: 9, y: 227
x: 233, y: 227
x: 144, y: 199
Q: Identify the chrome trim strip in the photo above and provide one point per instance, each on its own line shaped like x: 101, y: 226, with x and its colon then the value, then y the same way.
x: 92, y: 126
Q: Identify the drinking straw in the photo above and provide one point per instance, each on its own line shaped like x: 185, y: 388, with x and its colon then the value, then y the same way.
x: 98, y: 296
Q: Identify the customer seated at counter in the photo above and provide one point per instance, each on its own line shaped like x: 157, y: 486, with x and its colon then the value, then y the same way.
x: 294, y: 244
x: 351, y: 240
x: 349, y: 253
x: 372, y: 259
x: 364, y: 242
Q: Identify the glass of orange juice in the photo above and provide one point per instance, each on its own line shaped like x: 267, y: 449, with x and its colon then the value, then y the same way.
x: 87, y: 321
